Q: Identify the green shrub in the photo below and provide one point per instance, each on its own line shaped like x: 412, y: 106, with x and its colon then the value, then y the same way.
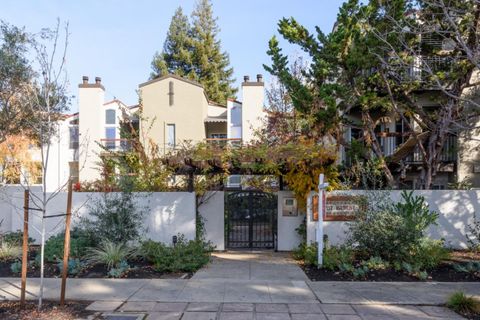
x: 461, y: 303
x: 307, y: 253
x: 334, y: 256
x: 10, y: 251
x: 115, y: 217
x: 429, y: 254
x: 392, y: 231
x: 80, y: 242
x: 186, y: 256
x: 109, y: 254
x: 16, y: 267
x: 15, y: 238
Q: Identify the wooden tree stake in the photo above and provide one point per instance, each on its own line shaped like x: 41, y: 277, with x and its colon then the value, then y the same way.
x: 26, y: 201
x: 66, y: 245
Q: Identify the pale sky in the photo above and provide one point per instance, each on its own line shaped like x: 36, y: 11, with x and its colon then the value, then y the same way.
x: 116, y: 39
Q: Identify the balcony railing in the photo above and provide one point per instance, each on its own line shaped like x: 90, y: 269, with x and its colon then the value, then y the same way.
x: 391, y: 141
x: 118, y: 145
x: 222, y: 142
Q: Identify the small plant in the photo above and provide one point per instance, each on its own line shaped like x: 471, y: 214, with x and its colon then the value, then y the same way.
x: 10, y: 251
x: 335, y: 256
x: 376, y: 263
x: 469, y: 267
x: 109, y: 254
x: 346, y: 267
x: 463, y: 304
x: 16, y: 267
x: 120, y: 270
x: 75, y: 266
x: 360, y: 272
x: 414, y: 270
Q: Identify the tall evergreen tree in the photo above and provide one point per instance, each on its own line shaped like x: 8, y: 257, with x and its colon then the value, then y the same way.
x: 176, y: 57
x: 211, y: 64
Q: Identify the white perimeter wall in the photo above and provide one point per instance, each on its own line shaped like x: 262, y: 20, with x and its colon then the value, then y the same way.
x: 456, y: 210
x: 165, y: 213
x: 213, y: 213
x: 288, y: 238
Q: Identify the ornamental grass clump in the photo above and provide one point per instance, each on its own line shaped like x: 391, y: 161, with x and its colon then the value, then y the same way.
x: 461, y: 303
x: 110, y: 254
x: 10, y: 251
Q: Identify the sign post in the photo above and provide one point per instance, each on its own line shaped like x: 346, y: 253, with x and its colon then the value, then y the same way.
x: 321, y: 201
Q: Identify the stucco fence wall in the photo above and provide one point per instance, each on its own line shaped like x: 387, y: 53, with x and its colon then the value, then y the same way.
x: 456, y: 210
x: 165, y: 213
x: 169, y: 213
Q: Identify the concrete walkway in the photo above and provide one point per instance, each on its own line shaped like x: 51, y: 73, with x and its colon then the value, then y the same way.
x: 253, y: 285
x: 252, y: 265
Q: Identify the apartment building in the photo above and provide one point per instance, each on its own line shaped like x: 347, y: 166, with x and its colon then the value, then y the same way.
x: 174, y: 111
x: 460, y: 155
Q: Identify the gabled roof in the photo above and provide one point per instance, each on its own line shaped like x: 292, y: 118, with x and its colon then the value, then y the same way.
x: 174, y: 76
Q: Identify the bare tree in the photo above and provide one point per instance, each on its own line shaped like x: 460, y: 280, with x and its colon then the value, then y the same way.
x: 48, y: 98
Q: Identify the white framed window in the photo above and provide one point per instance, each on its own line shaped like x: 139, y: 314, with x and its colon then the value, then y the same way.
x: 171, y: 135
x: 110, y: 135
x: 110, y: 117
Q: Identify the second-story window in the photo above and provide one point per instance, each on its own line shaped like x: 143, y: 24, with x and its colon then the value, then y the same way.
x: 110, y: 135
x: 110, y: 117
x: 73, y: 142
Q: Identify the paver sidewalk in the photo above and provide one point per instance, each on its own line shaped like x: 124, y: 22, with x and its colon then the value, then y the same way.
x: 253, y: 286
x: 281, y: 311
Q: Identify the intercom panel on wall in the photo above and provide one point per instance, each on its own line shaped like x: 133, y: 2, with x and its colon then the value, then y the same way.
x: 289, y: 207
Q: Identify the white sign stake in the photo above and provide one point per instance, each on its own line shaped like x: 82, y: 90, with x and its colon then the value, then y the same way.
x: 321, y: 193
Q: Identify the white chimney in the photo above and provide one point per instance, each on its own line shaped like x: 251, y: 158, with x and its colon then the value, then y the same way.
x: 91, y: 127
x: 252, y: 107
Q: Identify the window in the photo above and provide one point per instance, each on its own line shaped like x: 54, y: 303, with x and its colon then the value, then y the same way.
x: 110, y: 117
x: 73, y: 137
x: 171, y: 135
x: 110, y: 135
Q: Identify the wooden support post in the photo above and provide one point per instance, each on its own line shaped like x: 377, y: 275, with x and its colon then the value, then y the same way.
x: 26, y: 203
x: 66, y: 245
x: 191, y: 183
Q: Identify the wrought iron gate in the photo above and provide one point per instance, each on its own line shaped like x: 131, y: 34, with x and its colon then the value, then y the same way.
x: 251, y: 218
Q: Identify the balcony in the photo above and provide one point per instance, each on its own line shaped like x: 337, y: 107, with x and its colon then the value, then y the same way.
x: 395, y: 145
x: 223, y: 142
x: 116, y: 145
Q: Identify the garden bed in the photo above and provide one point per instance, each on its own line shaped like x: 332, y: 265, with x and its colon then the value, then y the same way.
x: 445, y: 272
x: 139, y: 269
x: 10, y: 310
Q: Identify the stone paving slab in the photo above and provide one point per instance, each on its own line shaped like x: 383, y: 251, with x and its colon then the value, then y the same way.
x: 291, y: 311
